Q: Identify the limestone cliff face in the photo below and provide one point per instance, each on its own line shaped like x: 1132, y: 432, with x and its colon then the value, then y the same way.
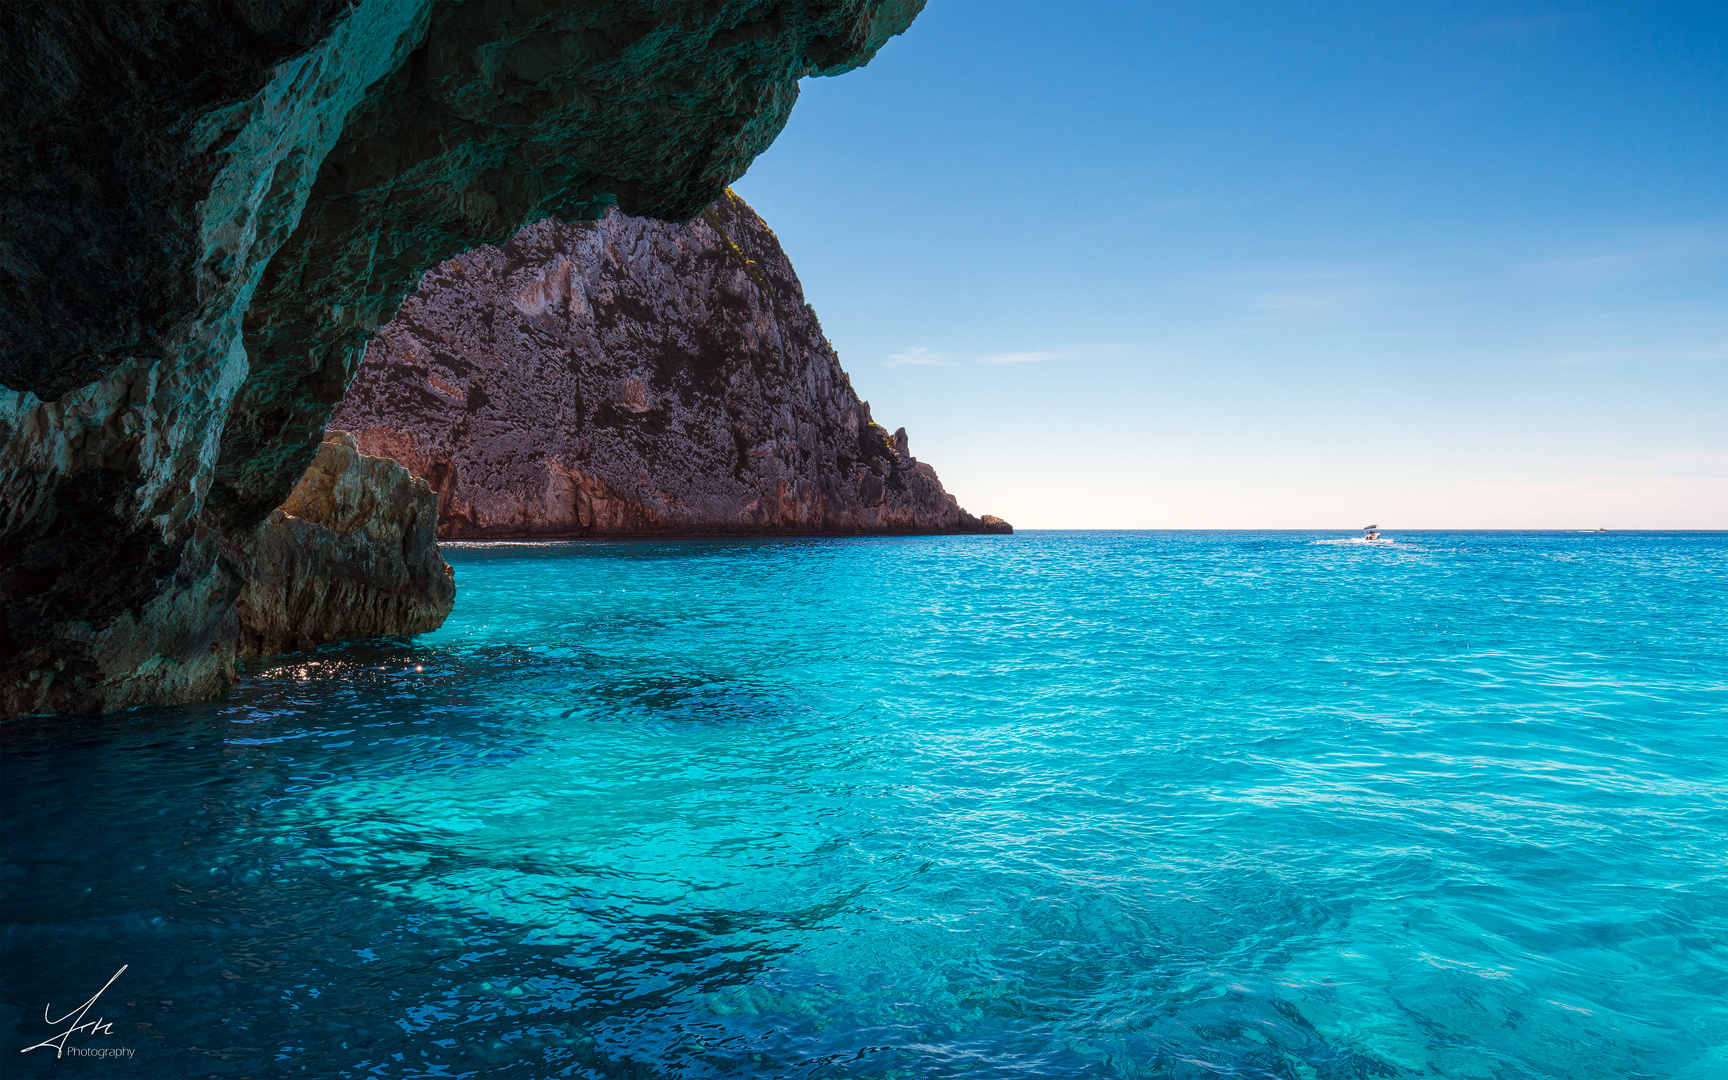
x: 353, y: 553
x: 206, y: 209
x: 630, y: 376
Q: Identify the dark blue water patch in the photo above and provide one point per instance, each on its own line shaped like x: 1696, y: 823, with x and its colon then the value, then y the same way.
x: 1049, y: 805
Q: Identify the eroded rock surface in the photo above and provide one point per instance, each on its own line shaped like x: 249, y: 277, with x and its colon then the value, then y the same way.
x: 207, y: 208
x: 630, y: 376
x: 353, y: 553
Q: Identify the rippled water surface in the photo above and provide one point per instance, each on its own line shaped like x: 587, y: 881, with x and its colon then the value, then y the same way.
x: 1048, y: 805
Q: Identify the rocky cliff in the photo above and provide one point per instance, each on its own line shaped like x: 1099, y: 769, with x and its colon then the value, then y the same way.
x: 206, y: 209
x: 353, y: 553
x: 630, y: 376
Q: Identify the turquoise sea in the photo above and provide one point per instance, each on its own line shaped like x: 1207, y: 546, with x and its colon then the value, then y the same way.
x: 1046, y: 805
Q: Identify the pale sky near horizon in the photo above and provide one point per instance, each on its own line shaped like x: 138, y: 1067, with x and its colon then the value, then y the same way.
x: 1232, y: 265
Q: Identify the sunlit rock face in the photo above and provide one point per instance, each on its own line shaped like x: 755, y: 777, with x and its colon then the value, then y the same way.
x: 352, y: 553
x: 207, y: 209
x: 630, y: 376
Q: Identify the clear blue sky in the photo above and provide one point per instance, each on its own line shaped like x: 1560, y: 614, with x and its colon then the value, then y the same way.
x: 1214, y: 265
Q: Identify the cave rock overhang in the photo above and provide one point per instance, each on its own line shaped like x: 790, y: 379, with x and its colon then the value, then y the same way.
x: 207, y: 210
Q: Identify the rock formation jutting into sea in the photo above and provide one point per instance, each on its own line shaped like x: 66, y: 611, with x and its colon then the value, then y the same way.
x: 630, y: 376
x: 353, y: 553
x: 206, y: 210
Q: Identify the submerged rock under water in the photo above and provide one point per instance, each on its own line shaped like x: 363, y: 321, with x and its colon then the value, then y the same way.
x: 1105, y: 806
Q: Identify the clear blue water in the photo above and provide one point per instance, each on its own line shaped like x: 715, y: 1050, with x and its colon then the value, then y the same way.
x: 1048, y: 805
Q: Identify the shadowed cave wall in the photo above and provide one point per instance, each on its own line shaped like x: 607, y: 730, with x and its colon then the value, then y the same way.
x: 208, y: 209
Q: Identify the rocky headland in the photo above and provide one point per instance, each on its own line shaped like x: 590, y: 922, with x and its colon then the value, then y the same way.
x: 629, y: 376
x: 207, y: 210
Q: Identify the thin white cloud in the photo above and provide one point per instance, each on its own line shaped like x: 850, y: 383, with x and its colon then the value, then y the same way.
x: 1324, y: 292
x: 924, y: 356
x: 1315, y: 301
x: 1083, y: 351
x: 1658, y: 254
x: 1648, y: 355
x: 1026, y: 357
x: 1118, y: 224
x: 1514, y: 26
x: 919, y: 356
